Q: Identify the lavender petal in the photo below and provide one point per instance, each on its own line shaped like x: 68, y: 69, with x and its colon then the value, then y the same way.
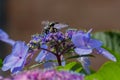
x: 106, y: 54
x: 81, y: 51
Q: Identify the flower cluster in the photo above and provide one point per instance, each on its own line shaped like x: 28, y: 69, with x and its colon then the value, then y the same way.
x: 53, y: 44
x: 46, y: 75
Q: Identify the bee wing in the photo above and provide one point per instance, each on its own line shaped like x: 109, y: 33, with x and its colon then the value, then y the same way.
x: 60, y: 26
x: 45, y: 23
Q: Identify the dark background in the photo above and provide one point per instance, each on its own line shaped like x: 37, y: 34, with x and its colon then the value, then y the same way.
x: 22, y: 18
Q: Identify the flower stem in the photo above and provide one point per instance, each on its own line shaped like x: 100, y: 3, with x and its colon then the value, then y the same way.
x: 48, y: 51
x: 59, y: 60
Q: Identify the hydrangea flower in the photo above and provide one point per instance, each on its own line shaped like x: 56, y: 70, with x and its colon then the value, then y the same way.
x: 53, y: 45
x: 48, y: 75
x: 16, y: 60
x: 84, y: 44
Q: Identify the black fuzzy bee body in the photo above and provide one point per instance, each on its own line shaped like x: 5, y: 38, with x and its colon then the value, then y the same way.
x: 52, y: 27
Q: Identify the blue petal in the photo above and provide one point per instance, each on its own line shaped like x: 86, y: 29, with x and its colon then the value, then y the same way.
x: 17, y: 58
x: 3, y: 35
x: 106, y: 54
x: 49, y: 57
x: 5, y: 38
x: 88, y: 35
x: 16, y: 69
x: 63, y: 61
x: 18, y: 66
x: 85, y: 63
x: 8, y: 41
x: 9, y: 61
x: 41, y: 56
x: 20, y: 49
x: 89, y: 31
x: 44, y: 46
x: 93, y: 43
x: 80, y: 40
x: 81, y: 51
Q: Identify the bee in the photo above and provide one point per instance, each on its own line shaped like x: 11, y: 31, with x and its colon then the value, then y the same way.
x: 52, y: 27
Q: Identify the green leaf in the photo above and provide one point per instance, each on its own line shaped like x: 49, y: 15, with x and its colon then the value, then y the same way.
x: 0, y: 63
x: 111, y: 41
x: 73, y: 66
x: 109, y: 71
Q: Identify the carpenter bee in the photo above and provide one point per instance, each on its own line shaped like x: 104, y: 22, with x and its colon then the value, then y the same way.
x: 52, y: 27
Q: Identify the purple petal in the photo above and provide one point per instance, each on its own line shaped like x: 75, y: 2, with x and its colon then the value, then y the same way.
x: 81, y: 51
x: 106, y: 54
x: 85, y: 63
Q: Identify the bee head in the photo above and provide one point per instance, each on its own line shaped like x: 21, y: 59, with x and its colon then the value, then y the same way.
x: 53, y: 23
